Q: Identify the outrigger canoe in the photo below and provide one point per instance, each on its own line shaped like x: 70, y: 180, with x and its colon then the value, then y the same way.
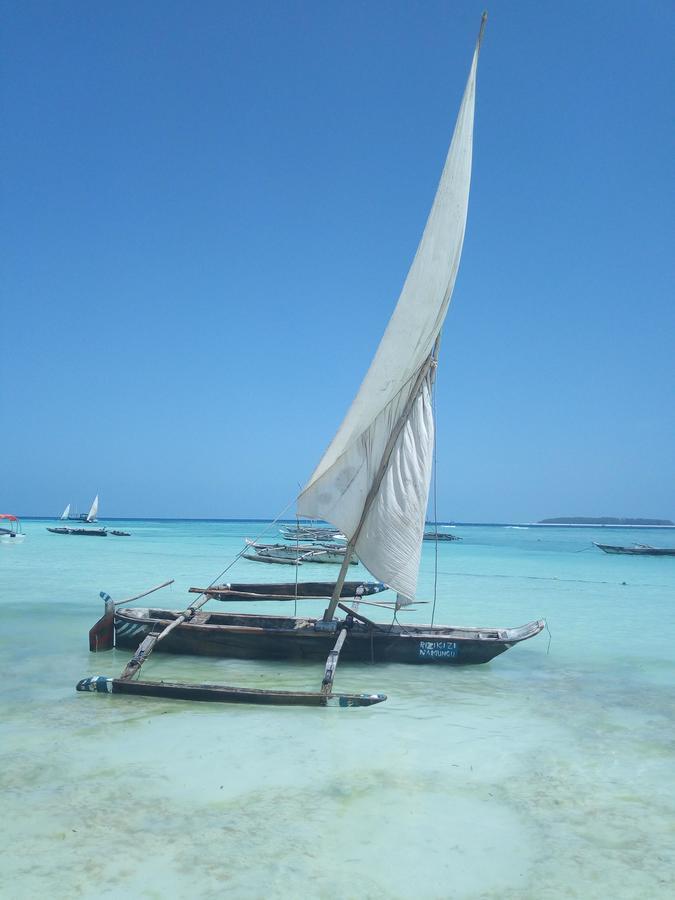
x: 262, y: 636
x: 637, y: 550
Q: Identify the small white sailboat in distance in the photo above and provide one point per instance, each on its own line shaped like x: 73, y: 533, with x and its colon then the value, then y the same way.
x: 84, y: 520
x: 81, y: 517
x: 93, y: 512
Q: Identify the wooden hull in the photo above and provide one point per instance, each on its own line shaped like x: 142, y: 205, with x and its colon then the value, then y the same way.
x: 245, y: 636
x: 637, y: 551
x: 290, y: 590
x: 294, y: 554
x: 80, y: 532
x: 255, y: 557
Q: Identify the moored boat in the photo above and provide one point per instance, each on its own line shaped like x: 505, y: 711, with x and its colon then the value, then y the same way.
x: 296, y: 554
x: 10, y: 529
x: 258, y: 636
x: 81, y: 517
x: 298, y: 590
x: 371, y: 484
x: 81, y: 532
x: 310, y: 533
x: 637, y: 550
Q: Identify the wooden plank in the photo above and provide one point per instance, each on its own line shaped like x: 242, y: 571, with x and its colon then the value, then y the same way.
x: 102, y: 634
x: 254, y: 557
x: 224, y: 694
x: 147, y: 646
x: 331, y: 664
x: 361, y: 617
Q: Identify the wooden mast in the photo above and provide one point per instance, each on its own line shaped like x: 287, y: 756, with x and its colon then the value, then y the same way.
x: 377, y: 481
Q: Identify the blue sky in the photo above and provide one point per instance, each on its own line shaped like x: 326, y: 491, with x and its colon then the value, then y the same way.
x: 209, y: 210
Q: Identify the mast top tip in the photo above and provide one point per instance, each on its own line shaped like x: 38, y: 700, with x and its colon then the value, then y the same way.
x: 483, y: 20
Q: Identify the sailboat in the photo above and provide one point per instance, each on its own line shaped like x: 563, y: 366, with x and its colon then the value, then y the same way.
x: 88, y: 519
x: 372, y: 484
x: 82, y: 517
x: 93, y: 511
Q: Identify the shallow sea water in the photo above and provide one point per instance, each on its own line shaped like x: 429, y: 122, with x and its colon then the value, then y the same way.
x: 548, y: 773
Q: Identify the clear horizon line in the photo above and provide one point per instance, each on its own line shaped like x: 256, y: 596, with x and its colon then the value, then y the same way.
x: 52, y: 518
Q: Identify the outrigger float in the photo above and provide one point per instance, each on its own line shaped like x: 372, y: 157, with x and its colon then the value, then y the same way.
x: 637, y: 550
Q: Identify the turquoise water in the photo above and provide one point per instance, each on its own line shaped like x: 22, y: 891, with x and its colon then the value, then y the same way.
x: 548, y: 773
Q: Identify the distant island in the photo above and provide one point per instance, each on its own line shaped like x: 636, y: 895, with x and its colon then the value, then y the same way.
x: 603, y: 520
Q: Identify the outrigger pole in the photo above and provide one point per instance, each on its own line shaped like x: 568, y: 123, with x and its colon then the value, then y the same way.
x: 377, y: 481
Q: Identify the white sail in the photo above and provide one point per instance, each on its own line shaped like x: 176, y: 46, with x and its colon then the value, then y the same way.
x: 93, y: 512
x: 393, y: 405
x: 66, y: 512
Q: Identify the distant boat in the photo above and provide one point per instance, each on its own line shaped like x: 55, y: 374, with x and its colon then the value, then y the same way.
x: 440, y: 536
x: 88, y: 532
x: 81, y: 517
x: 82, y: 532
x: 296, y: 554
x: 93, y: 511
x: 308, y: 532
x: 10, y: 529
x: 637, y: 550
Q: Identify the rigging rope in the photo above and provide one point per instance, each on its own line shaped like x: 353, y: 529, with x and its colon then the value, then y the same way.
x: 244, y: 548
x: 297, y: 568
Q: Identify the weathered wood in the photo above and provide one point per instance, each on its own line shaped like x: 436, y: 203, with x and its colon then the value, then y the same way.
x: 337, y: 590
x: 148, y: 645
x: 102, y: 634
x: 360, y: 617
x: 300, y: 590
x: 383, y: 604
x: 276, y: 637
x: 331, y: 663
x: 255, y: 557
x: 224, y: 694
